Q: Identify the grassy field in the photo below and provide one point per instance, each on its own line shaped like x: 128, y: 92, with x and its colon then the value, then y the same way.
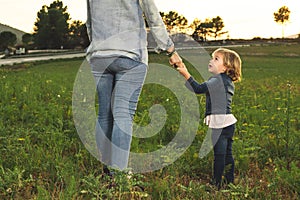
x: 42, y: 156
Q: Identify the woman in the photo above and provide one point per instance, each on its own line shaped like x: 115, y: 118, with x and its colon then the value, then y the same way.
x: 118, y: 57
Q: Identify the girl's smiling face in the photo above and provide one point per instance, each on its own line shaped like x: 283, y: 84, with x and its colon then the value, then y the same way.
x: 216, y: 65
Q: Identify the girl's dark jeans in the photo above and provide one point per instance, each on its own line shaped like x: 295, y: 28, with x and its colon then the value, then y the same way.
x: 223, y: 159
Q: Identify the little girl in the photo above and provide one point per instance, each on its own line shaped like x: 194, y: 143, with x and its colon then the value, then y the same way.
x: 225, y: 66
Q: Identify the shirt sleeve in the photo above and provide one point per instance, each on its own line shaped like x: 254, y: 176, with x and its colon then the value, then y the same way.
x: 196, y: 87
x: 88, y: 20
x: 156, y: 25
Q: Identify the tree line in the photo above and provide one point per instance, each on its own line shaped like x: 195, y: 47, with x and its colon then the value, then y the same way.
x: 54, y: 29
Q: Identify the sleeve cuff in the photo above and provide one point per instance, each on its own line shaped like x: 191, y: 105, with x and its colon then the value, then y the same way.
x: 190, y: 80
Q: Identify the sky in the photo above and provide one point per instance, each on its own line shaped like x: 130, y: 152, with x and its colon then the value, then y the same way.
x: 242, y: 19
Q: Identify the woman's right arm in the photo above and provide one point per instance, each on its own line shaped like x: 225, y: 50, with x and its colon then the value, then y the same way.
x: 157, y: 26
x: 159, y: 31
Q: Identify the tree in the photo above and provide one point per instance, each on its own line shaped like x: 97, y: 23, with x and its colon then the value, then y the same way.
x: 282, y: 17
x: 211, y: 27
x: 173, y: 20
x: 203, y: 30
x: 52, y: 27
x: 7, y: 39
x: 78, y: 36
x: 217, y: 26
x: 195, y: 23
x: 27, y: 39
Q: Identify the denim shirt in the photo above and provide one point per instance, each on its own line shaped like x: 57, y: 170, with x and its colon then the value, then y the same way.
x: 219, y: 90
x: 117, y: 28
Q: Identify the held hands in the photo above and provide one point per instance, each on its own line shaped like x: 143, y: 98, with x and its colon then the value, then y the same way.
x: 176, y: 62
x: 175, y: 59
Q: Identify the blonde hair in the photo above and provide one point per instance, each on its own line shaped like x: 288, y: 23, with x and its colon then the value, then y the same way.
x: 232, y: 62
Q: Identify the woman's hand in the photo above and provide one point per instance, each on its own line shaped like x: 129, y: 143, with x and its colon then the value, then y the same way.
x: 175, y: 59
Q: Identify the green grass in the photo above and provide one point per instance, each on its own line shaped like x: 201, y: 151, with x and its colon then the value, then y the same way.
x: 42, y: 156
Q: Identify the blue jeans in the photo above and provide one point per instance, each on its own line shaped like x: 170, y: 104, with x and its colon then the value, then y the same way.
x: 223, y: 155
x: 119, y: 82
